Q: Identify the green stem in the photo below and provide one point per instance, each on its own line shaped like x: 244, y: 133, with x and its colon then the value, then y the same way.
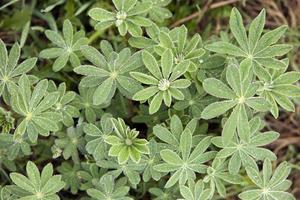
x: 94, y: 36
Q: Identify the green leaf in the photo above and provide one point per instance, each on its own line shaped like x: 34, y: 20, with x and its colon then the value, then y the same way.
x: 230, y: 127
x: 145, y: 94
x: 55, y: 38
x: 151, y: 64
x: 25, y: 66
x: 33, y: 173
x: 94, y: 56
x: 234, y: 79
x: 165, y: 135
x: 100, y: 14
x: 89, y: 70
x: 264, y: 138
x: 170, y: 157
x: 22, y: 182
x: 68, y: 32
x: 165, y: 40
x: 237, y: 28
x: 217, y: 109
x: 185, y: 143
x: 256, y: 29
x: 167, y: 63
x: 226, y: 48
x: 104, y: 91
x: 287, y: 90
x: 140, y: 8
x: 218, y: 89
x: 3, y: 54
x: 258, y: 104
x: 141, y: 42
x: 13, y: 57
x: 155, y: 103
x: 60, y: 62
x: 144, y: 78
x: 270, y: 37
x: 287, y: 78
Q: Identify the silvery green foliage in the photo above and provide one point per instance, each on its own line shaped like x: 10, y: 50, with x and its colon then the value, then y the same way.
x: 71, y: 143
x: 108, y: 189
x: 188, y: 162
x: 158, y: 12
x: 164, y: 194
x: 163, y: 114
x: 256, y: 49
x: 10, y: 70
x: 84, y: 102
x: 239, y: 97
x: 38, y: 186
x: 127, y: 17
x: 195, y: 191
x: 63, y: 105
x: 90, y: 175
x: 130, y: 169
x: 70, y: 175
x: 176, y: 40
x: 35, y: 108
x: 278, y: 88
x: 15, y: 146
x: 164, y: 80
x: 217, y: 176
x: 67, y: 46
x: 268, y: 185
x: 96, y: 134
x: 246, y: 153
x: 149, y: 161
x: 195, y: 100
x: 109, y: 71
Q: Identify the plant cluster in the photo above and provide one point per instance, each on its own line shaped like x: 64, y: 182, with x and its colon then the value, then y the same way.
x: 134, y: 118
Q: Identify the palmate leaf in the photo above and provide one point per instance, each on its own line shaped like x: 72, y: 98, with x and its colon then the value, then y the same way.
x: 150, y: 161
x: 109, y: 72
x: 108, y: 189
x: 268, y: 185
x: 245, y: 149
x: 195, y: 191
x: 158, y: 11
x: 63, y: 105
x: 261, y: 50
x: 217, y: 176
x: 129, y: 16
x: 278, y: 88
x: 84, y: 102
x: 164, y: 81
x: 10, y: 70
x: 71, y: 143
x: 125, y: 144
x: 90, y: 175
x: 15, y: 147
x: 188, y: 163
x: 171, y: 136
x: 38, y: 185
x: 176, y: 40
x: 35, y: 108
x: 130, y: 169
x: 195, y: 101
x: 70, y: 175
x: 96, y: 136
x: 239, y: 97
x: 68, y: 44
